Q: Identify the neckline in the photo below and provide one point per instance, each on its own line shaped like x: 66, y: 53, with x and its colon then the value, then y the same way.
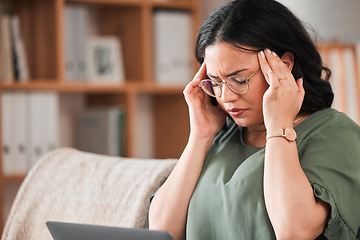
x: 242, y: 130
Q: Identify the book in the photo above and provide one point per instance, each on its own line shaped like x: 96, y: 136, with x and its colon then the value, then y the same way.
x: 6, y: 50
x: 101, y: 130
x: 172, y: 47
x: 21, y: 69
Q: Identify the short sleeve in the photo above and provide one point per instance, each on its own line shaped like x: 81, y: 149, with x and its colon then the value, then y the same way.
x: 331, y: 162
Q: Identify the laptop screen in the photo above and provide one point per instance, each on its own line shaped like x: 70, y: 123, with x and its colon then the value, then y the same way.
x: 76, y: 231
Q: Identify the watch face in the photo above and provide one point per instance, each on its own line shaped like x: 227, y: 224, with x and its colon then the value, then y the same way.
x: 290, y: 134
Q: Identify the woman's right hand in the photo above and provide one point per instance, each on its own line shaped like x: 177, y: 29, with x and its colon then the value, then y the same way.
x: 205, y: 118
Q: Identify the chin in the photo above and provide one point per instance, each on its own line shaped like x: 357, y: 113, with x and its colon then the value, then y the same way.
x: 240, y: 121
x: 246, y: 122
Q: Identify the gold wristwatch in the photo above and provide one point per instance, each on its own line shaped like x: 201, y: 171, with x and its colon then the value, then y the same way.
x: 288, y: 133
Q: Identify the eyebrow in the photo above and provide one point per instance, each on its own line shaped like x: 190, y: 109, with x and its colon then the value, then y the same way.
x: 230, y: 74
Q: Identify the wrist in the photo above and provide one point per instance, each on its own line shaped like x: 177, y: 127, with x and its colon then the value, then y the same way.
x: 287, y: 133
x: 278, y: 125
x: 200, y: 140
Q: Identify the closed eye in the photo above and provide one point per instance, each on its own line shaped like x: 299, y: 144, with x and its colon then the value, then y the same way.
x: 239, y: 80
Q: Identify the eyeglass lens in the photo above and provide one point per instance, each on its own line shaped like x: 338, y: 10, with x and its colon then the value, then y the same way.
x: 213, y: 89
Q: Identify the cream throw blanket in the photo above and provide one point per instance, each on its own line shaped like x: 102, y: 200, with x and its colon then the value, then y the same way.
x: 74, y: 186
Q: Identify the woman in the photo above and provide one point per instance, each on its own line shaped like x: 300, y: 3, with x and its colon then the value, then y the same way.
x: 243, y: 173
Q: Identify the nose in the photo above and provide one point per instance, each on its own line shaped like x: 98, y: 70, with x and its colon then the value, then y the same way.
x: 227, y: 95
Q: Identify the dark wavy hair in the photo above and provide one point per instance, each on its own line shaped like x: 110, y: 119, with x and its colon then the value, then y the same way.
x: 262, y: 24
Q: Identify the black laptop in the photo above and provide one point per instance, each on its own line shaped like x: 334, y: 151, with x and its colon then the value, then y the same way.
x: 76, y: 231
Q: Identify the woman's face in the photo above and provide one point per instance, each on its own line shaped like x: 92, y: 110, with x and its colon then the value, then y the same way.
x: 224, y: 60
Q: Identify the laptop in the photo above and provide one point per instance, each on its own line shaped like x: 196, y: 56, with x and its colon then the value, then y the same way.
x: 76, y: 231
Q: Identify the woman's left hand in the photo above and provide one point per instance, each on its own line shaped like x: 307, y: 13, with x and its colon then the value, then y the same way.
x: 283, y: 99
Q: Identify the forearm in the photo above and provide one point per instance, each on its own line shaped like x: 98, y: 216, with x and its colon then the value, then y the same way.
x: 292, y: 207
x: 169, y: 207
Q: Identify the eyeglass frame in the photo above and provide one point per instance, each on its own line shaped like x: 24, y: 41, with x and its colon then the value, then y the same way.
x: 221, y: 83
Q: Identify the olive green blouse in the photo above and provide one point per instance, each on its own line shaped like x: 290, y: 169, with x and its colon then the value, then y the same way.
x: 228, y: 202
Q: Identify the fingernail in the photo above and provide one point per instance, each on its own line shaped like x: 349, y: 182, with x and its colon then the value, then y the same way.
x: 262, y: 54
x: 268, y: 50
x: 273, y: 53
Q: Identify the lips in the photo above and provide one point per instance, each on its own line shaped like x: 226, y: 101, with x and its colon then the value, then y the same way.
x: 235, y: 112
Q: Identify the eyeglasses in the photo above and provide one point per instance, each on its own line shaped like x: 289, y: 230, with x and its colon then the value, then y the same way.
x: 238, y: 84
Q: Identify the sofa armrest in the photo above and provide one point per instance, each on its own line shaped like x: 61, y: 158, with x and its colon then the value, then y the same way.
x: 74, y: 186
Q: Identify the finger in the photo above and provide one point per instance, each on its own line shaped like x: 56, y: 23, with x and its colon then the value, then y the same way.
x: 279, y: 67
x: 201, y: 74
x: 273, y: 79
x: 264, y: 66
x: 276, y: 64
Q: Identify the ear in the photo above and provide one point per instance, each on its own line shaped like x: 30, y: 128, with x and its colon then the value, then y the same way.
x: 288, y: 59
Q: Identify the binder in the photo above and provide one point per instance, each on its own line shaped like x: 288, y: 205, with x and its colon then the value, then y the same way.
x: 76, y: 22
x: 20, y: 117
x: 7, y: 136
x: 172, y: 47
x: 51, y: 110
x: 36, y: 127
x: 70, y: 56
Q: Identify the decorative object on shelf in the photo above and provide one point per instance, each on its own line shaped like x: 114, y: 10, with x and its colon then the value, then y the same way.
x: 105, y: 60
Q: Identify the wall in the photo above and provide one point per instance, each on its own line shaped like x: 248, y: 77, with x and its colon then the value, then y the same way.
x: 331, y: 19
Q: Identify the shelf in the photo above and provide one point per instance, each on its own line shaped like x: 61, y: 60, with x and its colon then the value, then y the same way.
x: 160, y: 110
x: 45, y: 85
x: 63, y: 87
x: 174, y: 4
x: 14, y: 178
x: 158, y: 3
x: 113, y: 2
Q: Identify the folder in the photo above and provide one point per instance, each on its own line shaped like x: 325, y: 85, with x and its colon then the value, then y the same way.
x: 172, y: 47
x: 20, y: 138
x: 36, y: 127
x: 7, y: 136
x: 51, y: 110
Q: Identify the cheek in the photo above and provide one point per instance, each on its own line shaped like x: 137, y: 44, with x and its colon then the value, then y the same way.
x: 259, y: 89
x: 221, y: 104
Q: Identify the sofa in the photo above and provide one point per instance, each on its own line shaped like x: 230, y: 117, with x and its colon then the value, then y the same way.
x: 74, y: 186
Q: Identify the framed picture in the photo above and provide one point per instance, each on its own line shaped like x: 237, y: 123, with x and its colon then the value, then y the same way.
x: 105, y: 60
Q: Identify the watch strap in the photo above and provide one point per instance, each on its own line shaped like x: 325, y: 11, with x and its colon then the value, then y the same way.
x: 288, y: 133
x: 276, y: 133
